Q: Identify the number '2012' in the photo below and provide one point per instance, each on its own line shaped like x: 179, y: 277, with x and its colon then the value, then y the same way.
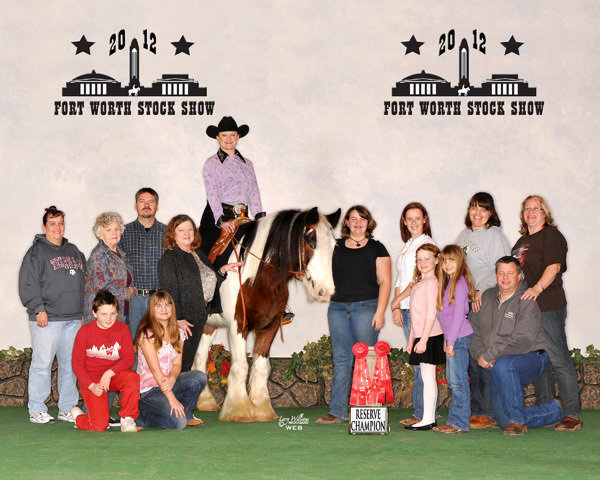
x: 448, y: 41
x: 117, y: 41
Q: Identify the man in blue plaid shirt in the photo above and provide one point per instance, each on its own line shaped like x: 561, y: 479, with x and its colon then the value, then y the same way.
x: 142, y: 242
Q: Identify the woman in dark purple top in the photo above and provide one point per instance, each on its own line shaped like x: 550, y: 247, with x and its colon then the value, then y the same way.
x: 542, y: 251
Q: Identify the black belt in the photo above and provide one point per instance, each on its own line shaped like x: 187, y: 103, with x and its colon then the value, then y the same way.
x: 145, y: 292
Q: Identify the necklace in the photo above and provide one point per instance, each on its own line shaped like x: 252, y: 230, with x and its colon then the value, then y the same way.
x: 357, y: 241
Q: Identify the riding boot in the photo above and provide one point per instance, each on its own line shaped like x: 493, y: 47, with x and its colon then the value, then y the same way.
x: 287, y: 317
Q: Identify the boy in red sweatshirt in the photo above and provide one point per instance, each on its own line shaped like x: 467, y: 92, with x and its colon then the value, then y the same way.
x: 102, y: 358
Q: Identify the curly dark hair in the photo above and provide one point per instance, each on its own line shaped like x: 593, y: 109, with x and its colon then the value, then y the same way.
x: 364, y: 213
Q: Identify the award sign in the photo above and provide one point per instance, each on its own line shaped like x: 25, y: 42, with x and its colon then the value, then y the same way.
x: 371, y: 388
x: 369, y: 421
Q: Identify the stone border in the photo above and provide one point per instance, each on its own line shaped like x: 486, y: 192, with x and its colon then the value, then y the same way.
x: 298, y: 391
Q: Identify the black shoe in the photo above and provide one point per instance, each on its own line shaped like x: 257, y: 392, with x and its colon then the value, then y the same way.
x: 421, y: 428
x: 114, y: 422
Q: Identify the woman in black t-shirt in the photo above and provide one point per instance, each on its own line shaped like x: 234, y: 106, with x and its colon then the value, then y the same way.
x: 362, y: 274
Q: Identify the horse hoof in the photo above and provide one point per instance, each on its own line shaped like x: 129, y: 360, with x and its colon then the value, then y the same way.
x: 268, y: 418
x: 233, y: 418
x: 206, y: 402
x: 207, y: 406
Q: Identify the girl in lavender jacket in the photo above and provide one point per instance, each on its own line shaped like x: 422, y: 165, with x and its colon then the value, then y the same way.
x: 455, y: 289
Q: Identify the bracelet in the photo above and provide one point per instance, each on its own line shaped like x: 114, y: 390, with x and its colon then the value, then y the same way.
x: 541, y: 286
x: 397, y: 307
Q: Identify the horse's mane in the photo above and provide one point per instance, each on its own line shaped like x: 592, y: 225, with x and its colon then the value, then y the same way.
x: 283, y: 242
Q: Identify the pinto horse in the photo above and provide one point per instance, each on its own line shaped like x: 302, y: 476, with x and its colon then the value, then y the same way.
x: 285, y: 245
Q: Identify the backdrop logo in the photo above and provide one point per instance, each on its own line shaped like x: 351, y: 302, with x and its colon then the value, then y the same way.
x: 95, y: 86
x: 499, y: 85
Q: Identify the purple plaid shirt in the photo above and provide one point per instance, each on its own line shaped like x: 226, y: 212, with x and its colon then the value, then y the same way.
x: 230, y: 180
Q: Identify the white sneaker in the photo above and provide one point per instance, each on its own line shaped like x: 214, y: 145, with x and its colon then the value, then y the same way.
x: 41, y: 417
x: 75, y: 412
x: 66, y: 416
x: 128, y: 425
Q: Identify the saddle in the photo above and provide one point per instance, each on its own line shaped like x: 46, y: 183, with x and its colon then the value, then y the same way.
x: 225, y: 238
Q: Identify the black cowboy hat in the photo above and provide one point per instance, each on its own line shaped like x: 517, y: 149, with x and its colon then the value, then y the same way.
x: 227, y: 124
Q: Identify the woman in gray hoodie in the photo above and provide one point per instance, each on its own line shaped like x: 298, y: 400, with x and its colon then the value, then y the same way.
x: 51, y: 283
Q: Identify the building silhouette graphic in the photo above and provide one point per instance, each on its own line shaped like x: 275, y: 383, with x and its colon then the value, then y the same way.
x: 99, y: 84
x: 428, y: 84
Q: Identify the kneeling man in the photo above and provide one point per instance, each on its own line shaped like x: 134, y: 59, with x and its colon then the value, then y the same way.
x: 508, y: 339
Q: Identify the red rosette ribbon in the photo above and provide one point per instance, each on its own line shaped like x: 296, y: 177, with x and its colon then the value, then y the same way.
x: 360, y: 380
x: 382, y: 380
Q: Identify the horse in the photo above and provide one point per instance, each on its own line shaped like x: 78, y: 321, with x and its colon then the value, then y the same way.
x: 281, y: 246
x: 463, y: 91
x: 134, y: 91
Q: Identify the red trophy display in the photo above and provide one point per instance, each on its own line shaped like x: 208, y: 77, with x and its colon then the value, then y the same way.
x: 371, y: 388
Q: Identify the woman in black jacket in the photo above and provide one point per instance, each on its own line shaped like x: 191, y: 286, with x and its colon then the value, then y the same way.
x: 186, y: 273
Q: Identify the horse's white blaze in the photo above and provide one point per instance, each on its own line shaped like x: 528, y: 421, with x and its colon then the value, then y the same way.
x: 319, y: 276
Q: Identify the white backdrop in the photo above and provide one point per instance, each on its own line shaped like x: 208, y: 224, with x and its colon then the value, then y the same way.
x: 310, y: 79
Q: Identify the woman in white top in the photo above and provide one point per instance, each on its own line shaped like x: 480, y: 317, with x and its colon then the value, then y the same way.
x: 415, y: 231
x: 167, y: 396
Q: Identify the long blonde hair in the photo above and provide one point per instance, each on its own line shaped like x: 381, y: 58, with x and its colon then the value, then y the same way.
x: 152, y: 329
x: 462, y: 270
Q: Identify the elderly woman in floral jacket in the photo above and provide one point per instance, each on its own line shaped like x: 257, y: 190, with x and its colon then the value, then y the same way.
x: 107, y: 266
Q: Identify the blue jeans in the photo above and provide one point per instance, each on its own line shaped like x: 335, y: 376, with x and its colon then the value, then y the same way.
x: 155, y: 410
x: 55, y: 339
x: 553, y: 323
x: 348, y: 323
x: 417, y: 393
x: 481, y: 396
x: 457, y: 375
x: 138, y: 305
x: 510, y: 374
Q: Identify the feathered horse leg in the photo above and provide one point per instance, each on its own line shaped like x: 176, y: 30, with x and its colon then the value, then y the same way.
x: 206, y: 401
x: 237, y: 406
x: 259, y: 375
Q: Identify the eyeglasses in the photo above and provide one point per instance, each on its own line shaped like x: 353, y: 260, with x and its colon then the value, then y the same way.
x: 533, y: 209
x: 161, y: 306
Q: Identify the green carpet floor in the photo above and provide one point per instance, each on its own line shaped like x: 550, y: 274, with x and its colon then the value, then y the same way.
x: 267, y: 451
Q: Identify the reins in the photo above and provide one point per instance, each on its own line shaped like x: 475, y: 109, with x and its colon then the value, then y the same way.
x: 297, y: 274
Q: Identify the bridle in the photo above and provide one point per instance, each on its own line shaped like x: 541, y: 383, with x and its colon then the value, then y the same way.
x: 308, y: 230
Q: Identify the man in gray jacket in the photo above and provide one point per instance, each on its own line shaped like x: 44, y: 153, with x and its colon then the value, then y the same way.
x: 508, y: 339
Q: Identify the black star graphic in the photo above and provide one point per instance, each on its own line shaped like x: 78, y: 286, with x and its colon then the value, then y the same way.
x: 512, y: 46
x: 182, y: 46
x: 83, y: 46
x: 412, y: 46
